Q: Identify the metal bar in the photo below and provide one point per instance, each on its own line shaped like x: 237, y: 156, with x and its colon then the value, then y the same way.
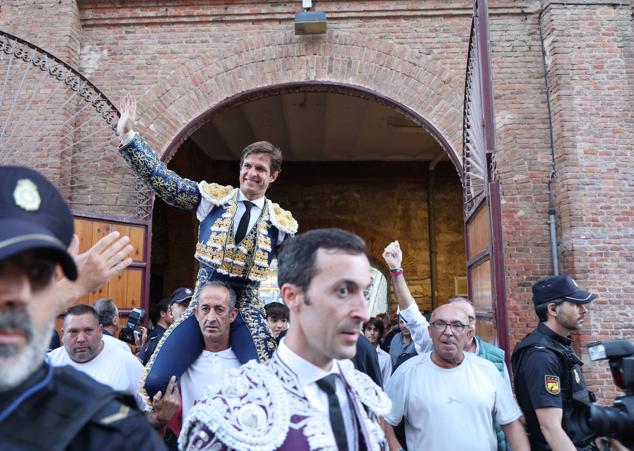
x: 6, y: 77
x: 486, y: 78
x: 71, y: 137
x: 147, y: 254
x: 110, y: 218
x: 65, y: 65
x: 35, y: 113
x: 92, y: 193
x: 100, y: 204
x: 74, y: 143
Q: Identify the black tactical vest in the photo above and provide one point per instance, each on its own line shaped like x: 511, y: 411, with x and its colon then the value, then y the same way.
x: 574, y: 392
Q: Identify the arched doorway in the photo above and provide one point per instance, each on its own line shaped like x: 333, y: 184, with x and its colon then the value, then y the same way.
x: 353, y: 159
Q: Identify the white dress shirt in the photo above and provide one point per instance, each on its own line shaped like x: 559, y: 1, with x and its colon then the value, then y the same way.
x: 256, y: 210
x: 208, y: 369
x: 308, y: 375
x: 418, y: 328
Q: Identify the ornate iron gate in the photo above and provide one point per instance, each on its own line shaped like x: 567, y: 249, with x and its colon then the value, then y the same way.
x: 483, y: 226
x: 55, y: 120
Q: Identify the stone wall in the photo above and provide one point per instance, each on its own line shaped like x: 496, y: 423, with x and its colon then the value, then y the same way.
x: 380, y: 201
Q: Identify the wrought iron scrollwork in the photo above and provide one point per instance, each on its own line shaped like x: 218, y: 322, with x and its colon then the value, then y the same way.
x: 54, y: 119
x: 59, y: 70
x: 474, y: 157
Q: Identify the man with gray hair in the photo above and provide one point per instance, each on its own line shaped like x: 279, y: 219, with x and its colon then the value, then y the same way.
x: 108, y: 317
x: 215, y: 311
x: 419, y: 327
x: 450, y: 398
x: 475, y: 344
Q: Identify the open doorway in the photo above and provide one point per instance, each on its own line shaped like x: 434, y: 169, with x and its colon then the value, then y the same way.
x: 351, y: 160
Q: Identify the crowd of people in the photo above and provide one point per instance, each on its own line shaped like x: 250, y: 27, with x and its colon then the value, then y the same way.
x: 220, y: 371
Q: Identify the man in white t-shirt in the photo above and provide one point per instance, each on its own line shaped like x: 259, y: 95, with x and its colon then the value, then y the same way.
x: 215, y: 311
x: 85, y: 350
x: 449, y: 397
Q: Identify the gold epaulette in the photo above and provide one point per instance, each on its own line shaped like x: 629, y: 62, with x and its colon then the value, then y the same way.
x: 215, y: 193
x: 283, y: 219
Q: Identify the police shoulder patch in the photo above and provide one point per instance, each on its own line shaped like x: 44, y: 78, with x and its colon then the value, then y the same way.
x: 552, y: 384
x: 112, y: 413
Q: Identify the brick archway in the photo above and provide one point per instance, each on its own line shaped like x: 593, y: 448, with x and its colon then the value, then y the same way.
x: 418, y: 85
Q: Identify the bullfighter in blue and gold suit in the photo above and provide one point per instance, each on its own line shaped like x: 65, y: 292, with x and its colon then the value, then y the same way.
x: 239, y: 233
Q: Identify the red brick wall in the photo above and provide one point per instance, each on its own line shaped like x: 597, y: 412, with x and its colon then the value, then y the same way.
x: 54, y: 26
x: 590, y: 73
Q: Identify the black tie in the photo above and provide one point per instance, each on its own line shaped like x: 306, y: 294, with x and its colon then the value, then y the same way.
x: 327, y: 384
x: 244, y: 221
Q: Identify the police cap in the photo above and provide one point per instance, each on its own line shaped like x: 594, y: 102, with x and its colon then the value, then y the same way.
x: 552, y: 288
x: 181, y: 295
x: 33, y: 215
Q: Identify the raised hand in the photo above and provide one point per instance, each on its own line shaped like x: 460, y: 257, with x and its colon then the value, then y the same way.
x: 103, y: 261
x: 128, y: 115
x: 393, y: 255
x: 96, y: 266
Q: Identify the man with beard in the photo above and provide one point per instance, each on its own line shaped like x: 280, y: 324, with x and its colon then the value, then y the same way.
x: 308, y: 395
x: 41, y: 407
x: 546, y: 369
x: 450, y: 398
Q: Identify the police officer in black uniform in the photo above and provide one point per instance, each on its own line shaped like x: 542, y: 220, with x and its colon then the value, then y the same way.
x: 41, y: 407
x: 547, y: 372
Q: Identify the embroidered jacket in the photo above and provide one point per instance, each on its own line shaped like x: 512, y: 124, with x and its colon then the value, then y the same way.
x: 262, y: 407
x: 248, y: 262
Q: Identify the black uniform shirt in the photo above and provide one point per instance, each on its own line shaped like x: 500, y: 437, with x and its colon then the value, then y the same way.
x: 539, y: 380
x: 152, y: 341
x: 66, y: 410
x: 366, y: 360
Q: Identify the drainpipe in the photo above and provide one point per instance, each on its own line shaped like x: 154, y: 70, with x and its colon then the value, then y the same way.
x: 552, y: 209
x: 432, y: 232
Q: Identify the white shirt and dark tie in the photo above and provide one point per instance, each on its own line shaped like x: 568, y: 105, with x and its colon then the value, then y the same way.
x: 308, y: 375
x: 256, y: 208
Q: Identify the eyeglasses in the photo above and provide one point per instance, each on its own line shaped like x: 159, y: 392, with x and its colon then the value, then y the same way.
x: 456, y: 327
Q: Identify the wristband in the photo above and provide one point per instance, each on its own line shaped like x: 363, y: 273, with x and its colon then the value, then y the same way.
x: 396, y: 272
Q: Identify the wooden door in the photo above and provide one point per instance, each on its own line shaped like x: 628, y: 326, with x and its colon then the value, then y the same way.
x: 483, y: 229
x: 129, y: 288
